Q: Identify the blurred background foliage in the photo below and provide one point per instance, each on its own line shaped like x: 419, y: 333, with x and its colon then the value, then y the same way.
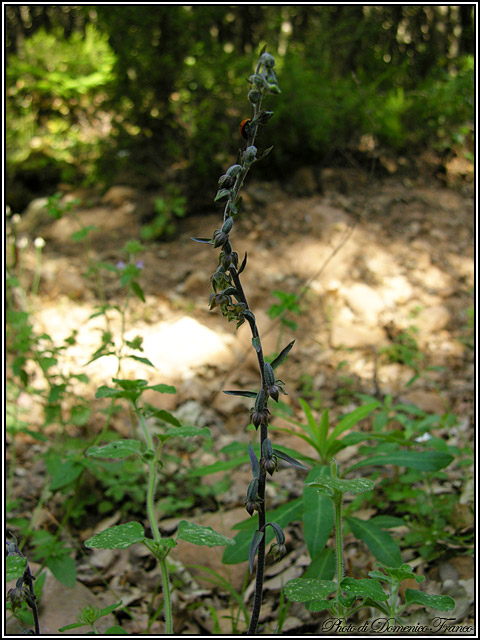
x: 149, y: 95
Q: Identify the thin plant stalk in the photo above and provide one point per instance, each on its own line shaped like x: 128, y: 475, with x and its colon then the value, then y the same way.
x: 152, y: 518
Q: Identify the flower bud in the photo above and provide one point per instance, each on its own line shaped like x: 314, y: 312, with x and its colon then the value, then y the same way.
x: 267, y: 60
x: 234, y: 170
x: 250, y: 154
x: 254, y: 96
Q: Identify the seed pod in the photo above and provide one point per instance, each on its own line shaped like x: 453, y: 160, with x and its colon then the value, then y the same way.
x: 227, y: 225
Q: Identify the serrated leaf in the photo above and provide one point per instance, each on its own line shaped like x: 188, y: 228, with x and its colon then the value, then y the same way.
x: 187, y: 432
x: 256, y: 540
x: 117, y: 449
x: 120, y: 536
x: 282, y: 355
x: 420, y: 460
x: 203, y: 536
x: 380, y: 542
x: 305, y: 589
x: 245, y: 394
x: 441, y: 603
x: 15, y: 567
x: 355, y: 486
x: 363, y: 588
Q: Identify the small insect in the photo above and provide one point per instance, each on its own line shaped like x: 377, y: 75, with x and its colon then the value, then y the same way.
x: 244, y: 128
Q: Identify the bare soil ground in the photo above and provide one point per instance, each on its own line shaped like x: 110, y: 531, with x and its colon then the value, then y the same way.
x: 368, y: 263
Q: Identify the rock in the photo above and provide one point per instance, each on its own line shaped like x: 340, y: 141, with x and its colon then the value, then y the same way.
x: 364, y: 301
x: 355, y: 336
x: 118, y: 194
x: 432, y: 319
x: 428, y: 401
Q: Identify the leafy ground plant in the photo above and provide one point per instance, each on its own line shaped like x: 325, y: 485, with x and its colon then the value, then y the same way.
x: 228, y: 294
x: 349, y: 594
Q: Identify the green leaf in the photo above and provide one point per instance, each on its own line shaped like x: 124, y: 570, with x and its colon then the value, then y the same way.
x: 364, y: 588
x: 221, y: 193
x: 64, y: 569
x: 203, y: 536
x: 121, y: 536
x: 305, y: 589
x: 222, y: 465
x: 387, y: 522
x: 116, y: 631
x: 283, y: 516
x: 318, y: 515
x: 162, y: 388
x: 166, y: 416
x: 63, y: 472
x: 396, y: 574
x: 78, y: 236
x: 142, y: 360
x: 352, y: 418
x: 187, y: 432
x: 15, y: 566
x: 420, y: 460
x: 441, y: 603
x: 137, y: 290
x: 282, y: 355
x: 311, y: 426
x: 322, y: 567
x: 328, y: 485
x: 380, y: 542
x: 256, y: 540
x: 117, y: 449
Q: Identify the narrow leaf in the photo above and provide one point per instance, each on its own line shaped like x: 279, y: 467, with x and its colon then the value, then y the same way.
x: 289, y: 459
x: 282, y: 355
x: 245, y: 394
x: 203, y: 240
x: 318, y: 515
x: 243, y: 265
x: 162, y: 388
x: 187, y: 432
x: 380, y: 542
x: 142, y: 360
x: 254, y: 461
x: 352, y: 419
x: 256, y: 540
x: 137, y: 290
x: 420, y: 460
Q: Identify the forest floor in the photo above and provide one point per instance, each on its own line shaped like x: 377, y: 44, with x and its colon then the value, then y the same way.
x: 383, y: 275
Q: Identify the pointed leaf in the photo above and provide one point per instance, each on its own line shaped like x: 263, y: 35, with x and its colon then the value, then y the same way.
x: 254, y: 461
x: 162, y: 388
x: 252, y: 552
x: 121, y: 536
x: 203, y: 240
x: 380, y: 542
x: 243, y: 265
x: 137, y: 290
x: 203, y: 536
x: 166, y: 416
x: 318, y: 515
x: 352, y: 418
x: 282, y: 355
x: 142, y: 360
x: 355, y: 486
x: 15, y: 566
x: 311, y: 426
x: 221, y: 193
x: 441, y: 603
x: 117, y: 449
x: 289, y: 459
x: 245, y: 394
x: 187, y: 432
x: 420, y: 460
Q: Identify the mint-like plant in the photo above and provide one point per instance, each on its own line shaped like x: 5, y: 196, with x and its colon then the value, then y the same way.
x: 229, y: 296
